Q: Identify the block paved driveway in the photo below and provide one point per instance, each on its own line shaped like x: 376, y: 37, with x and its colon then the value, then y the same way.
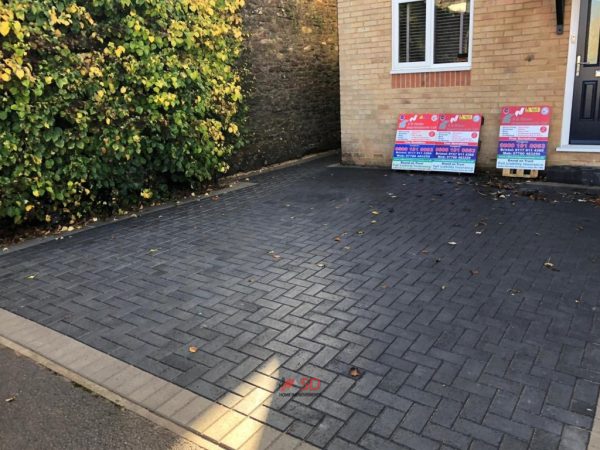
x: 470, y: 346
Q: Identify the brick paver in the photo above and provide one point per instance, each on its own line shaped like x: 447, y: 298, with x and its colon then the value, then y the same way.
x: 437, y: 293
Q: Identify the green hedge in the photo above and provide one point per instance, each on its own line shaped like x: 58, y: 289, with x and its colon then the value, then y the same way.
x: 105, y: 103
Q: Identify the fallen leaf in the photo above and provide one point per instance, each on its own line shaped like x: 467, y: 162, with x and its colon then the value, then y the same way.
x: 320, y: 265
x: 354, y: 372
x: 451, y: 243
x: 551, y: 266
x: 215, y: 198
x: 514, y: 291
x: 31, y: 277
x: 478, y: 232
x: 153, y: 250
x: 360, y: 232
x: 10, y: 399
x: 443, y: 287
x: 193, y: 349
x: 373, y: 221
x: 338, y: 239
x: 474, y: 272
x: 346, y: 248
x: 375, y: 213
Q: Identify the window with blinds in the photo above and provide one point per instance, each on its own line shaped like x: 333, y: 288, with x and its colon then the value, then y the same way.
x: 452, y: 27
x: 412, y: 21
x: 433, y: 34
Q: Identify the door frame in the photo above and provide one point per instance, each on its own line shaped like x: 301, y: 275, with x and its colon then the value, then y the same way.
x: 570, y: 87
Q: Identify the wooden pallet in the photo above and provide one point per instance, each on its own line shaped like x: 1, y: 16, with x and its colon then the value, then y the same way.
x: 520, y: 173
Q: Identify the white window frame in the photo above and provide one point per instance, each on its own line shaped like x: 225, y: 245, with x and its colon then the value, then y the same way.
x: 427, y: 65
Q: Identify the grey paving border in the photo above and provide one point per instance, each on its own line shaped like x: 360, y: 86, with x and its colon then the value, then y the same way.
x: 195, y: 418
x: 279, y: 166
x: 352, y: 166
x: 595, y: 434
x: 541, y: 185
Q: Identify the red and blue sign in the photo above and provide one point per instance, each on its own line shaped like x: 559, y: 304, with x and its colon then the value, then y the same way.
x: 524, y: 132
x: 437, y: 142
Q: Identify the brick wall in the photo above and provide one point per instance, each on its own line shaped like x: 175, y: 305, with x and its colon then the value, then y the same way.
x: 292, y: 80
x: 517, y: 59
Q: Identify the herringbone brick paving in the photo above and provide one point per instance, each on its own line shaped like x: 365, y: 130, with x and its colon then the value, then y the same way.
x: 318, y: 269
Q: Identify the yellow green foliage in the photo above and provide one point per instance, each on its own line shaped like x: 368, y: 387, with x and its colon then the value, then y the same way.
x: 104, y: 103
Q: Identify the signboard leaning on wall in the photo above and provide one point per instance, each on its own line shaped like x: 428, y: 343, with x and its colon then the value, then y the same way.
x: 524, y: 132
x: 437, y: 142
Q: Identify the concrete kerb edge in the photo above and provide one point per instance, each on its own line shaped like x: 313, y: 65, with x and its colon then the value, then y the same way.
x: 109, y: 395
x: 12, y: 324
x: 353, y: 166
x: 279, y: 166
x: 558, y: 187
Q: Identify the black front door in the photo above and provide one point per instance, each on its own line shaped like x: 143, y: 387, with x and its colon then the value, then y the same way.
x: 585, y: 119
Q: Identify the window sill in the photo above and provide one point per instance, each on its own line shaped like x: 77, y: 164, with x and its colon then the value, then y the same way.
x: 579, y: 148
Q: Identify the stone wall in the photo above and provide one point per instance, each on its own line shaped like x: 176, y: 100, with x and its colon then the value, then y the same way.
x: 292, y: 81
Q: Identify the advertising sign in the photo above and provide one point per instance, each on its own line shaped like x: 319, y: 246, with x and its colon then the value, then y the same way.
x: 458, y: 142
x: 524, y: 132
x: 437, y: 142
x: 416, y: 138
